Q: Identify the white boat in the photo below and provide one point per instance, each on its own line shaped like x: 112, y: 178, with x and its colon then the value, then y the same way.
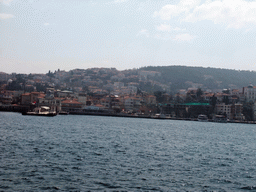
x: 202, y: 118
x: 159, y: 116
x: 41, y: 111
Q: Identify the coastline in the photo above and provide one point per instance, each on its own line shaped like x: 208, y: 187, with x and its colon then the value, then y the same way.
x: 20, y: 110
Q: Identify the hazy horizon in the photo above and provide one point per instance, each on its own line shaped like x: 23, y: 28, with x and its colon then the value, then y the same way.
x: 38, y: 36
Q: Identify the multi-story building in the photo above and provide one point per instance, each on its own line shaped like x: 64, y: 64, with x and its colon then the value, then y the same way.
x: 254, y: 111
x: 53, y: 103
x: 249, y: 93
x: 207, y: 96
x: 131, y: 103
x: 150, y: 100
x: 71, y: 105
x: 237, y: 112
x: 222, y: 108
x: 233, y: 111
x: 5, y: 98
x: 105, y: 102
x: 82, y: 98
x: 26, y: 99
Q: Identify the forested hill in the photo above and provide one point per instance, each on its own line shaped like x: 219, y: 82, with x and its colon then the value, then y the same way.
x: 179, y: 77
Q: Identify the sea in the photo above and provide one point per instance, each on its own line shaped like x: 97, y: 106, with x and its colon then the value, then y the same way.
x: 95, y: 153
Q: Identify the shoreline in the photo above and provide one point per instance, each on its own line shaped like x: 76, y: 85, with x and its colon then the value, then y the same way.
x: 157, y: 118
x: 137, y: 116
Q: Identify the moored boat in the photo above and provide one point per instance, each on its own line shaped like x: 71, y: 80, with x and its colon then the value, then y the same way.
x: 202, y: 118
x: 220, y: 119
x: 63, y: 113
x: 159, y: 116
x: 41, y: 111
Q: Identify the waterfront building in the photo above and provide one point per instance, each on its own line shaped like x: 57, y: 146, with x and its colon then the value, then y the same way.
x: 249, y: 93
x: 237, y: 112
x: 26, y: 99
x: 222, y: 108
x: 150, y: 100
x: 254, y: 111
x: 5, y: 99
x: 71, y: 105
x: 53, y: 102
x: 82, y: 98
x: 131, y: 103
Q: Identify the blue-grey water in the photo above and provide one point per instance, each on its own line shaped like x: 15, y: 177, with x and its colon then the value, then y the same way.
x: 90, y: 153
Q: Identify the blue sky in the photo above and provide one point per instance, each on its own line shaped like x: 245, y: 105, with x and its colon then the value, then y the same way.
x: 42, y: 35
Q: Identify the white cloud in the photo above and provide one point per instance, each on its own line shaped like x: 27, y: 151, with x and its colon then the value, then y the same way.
x: 184, y: 37
x: 170, y: 11
x: 164, y: 37
x: 143, y: 32
x: 6, y: 16
x: 168, y: 28
x: 163, y: 27
x: 232, y: 13
x: 6, y: 2
x: 46, y: 24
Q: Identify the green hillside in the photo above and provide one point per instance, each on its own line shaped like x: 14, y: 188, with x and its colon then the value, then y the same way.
x: 181, y: 77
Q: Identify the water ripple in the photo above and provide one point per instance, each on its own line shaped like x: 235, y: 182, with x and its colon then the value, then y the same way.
x: 86, y: 153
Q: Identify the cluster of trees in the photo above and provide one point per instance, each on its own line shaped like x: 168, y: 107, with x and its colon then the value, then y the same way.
x: 19, y: 84
x: 211, y: 78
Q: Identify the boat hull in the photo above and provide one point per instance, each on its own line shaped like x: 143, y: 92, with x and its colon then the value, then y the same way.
x: 49, y: 114
x: 202, y: 118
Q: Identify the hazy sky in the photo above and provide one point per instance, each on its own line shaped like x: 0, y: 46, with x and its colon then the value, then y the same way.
x: 41, y: 35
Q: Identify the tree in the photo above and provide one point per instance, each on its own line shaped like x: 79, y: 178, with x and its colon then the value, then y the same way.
x: 178, y: 99
x: 14, y: 86
x: 40, y: 87
x: 50, y: 74
x: 139, y: 91
x: 199, y: 92
x: 159, y: 96
x: 248, y: 110
x: 213, y: 100
x: 30, y: 76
